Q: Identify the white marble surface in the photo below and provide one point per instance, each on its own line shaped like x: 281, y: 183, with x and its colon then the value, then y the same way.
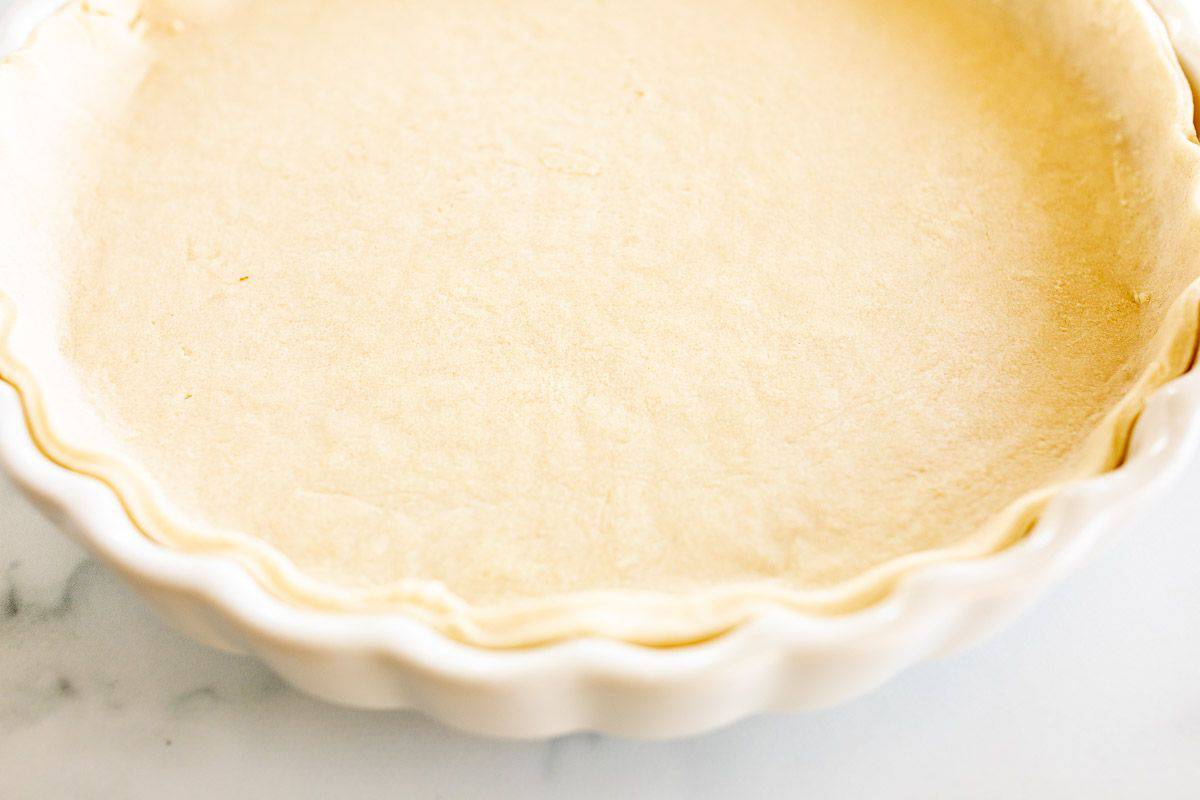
x: 1096, y: 693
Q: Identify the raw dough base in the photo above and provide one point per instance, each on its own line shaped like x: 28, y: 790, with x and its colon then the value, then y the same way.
x: 538, y: 298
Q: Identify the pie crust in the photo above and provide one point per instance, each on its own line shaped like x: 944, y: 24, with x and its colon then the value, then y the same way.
x: 631, y: 319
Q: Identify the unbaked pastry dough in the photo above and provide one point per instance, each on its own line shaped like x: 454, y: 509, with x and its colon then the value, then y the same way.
x: 536, y: 318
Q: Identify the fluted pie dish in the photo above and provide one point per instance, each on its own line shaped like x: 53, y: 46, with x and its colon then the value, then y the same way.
x: 628, y: 366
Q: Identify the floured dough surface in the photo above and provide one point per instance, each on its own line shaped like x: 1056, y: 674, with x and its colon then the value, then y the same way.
x: 537, y: 297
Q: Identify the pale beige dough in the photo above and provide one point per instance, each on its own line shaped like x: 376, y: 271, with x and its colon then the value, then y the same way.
x: 534, y: 298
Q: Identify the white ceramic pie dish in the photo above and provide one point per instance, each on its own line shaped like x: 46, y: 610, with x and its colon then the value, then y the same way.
x: 781, y: 661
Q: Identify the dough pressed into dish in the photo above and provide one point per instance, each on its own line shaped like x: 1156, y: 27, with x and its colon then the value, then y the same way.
x: 536, y: 319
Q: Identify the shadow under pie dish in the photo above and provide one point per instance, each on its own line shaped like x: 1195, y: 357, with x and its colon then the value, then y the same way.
x: 531, y: 322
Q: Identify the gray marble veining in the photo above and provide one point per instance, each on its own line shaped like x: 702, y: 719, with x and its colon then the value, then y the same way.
x: 1092, y: 694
